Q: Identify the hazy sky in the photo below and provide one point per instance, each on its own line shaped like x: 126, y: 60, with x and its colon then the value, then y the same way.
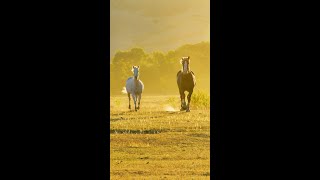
x: 158, y: 24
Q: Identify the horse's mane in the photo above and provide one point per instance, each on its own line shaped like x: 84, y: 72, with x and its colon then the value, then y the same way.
x: 178, y: 73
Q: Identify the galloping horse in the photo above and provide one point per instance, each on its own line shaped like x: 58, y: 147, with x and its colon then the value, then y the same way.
x: 134, y: 86
x: 186, y: 81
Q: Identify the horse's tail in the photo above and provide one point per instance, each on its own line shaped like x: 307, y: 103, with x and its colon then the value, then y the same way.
x: 124, y: 90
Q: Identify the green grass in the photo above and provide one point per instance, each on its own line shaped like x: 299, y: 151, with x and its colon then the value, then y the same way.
x: 154, y: 143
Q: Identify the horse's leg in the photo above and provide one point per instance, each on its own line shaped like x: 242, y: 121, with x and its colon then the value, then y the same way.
x: 134, y: 96
x: 129, y: 100
x: 183, y: 102
x: 139, y: 98
x: 189, y: 100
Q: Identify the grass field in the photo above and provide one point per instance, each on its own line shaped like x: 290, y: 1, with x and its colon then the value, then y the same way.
x: 158, y: 141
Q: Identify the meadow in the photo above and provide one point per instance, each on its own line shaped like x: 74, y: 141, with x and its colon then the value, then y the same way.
x: 160, y: 141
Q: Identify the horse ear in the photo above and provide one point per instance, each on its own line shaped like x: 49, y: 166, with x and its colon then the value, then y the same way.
x: 188, y: 57
x: 138, y: 67
x: 180, y: 61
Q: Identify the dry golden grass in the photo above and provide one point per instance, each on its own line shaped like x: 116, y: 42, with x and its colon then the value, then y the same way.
x: 157, y: 144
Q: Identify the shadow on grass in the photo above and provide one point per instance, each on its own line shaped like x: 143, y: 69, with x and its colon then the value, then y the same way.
x: 116, y: 119
x: 128, y: 131
x: 163, y: 114
x: 201, y: 135
x: 130, y: 112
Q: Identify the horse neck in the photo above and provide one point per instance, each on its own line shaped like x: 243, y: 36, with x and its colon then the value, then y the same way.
x: 135, y: 81
x: 187, y: 72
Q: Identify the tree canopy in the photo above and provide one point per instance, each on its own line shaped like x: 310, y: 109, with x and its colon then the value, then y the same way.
x: 158, y: 70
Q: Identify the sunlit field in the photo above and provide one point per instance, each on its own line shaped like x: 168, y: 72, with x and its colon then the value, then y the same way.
x: 159, y: 141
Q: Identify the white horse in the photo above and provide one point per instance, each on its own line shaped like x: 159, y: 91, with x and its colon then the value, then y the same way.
x: 134, y: 86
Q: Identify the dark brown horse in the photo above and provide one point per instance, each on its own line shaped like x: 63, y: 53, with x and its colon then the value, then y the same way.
x: 186, y: 81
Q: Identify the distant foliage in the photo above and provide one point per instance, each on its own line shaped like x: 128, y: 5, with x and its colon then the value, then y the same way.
x: 158, y: 70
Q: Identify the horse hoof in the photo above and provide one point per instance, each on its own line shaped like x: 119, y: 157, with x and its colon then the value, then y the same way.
x: 188, y: 110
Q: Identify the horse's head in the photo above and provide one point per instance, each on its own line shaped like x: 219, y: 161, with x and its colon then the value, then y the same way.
x: 185, y: 61
x: 135, y: 70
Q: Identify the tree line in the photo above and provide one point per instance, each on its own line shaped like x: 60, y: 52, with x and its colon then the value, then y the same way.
x: 158, y: 70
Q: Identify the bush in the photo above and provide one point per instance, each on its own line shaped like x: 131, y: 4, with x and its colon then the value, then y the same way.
x: 200, y: 99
